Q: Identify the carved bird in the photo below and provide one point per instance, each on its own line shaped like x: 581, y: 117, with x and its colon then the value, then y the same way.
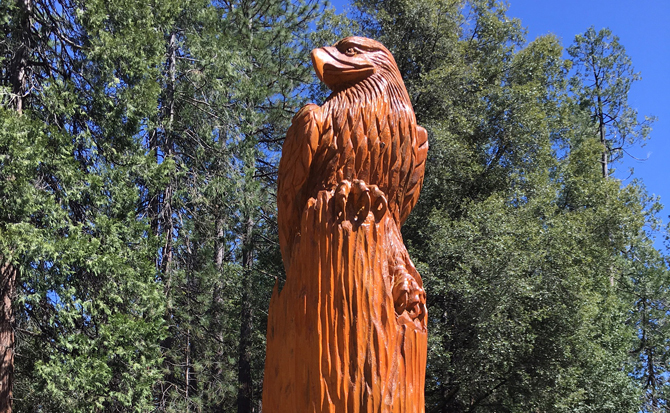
x: 364, y: 134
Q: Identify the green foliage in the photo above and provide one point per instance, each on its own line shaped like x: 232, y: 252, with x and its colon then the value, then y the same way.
x: 89, y: 313
x: 526, y: 250
x: 137, y: 202
x: 234, y: 74
x: 603, y: 76
x: 88, y: 310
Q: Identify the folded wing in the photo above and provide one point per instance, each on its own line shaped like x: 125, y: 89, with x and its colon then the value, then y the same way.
x: 420, y: 150
x: 298, y: 151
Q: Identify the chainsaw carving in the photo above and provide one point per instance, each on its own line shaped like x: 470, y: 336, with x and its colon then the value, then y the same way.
x: 347, y: 333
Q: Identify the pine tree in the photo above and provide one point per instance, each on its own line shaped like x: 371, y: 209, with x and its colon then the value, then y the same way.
x: 231, y: 81
x: 522, y: 243
x: 604, y: 75
x: 87, y: 307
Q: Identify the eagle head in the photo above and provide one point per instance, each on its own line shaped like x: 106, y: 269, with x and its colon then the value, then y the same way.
x: 352, y: 60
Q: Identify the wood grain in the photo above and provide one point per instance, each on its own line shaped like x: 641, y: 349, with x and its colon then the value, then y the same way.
x: 334, y: 340
x: 347, y: 333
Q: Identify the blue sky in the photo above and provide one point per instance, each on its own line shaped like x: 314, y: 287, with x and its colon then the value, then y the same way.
x: 643, y: 27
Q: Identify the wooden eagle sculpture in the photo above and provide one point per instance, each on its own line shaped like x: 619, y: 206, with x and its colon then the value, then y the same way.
x: 347, y: 332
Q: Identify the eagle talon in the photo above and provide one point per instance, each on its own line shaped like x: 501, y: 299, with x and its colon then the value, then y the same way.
x: 341, y: 197
x: 379, y: 203
x: 361, y: 201
x: 408, y: 296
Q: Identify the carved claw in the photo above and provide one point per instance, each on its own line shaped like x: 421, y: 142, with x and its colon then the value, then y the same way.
x: 341, y: 196
x: 408, y: 295
x: 379, y: 202
x: 354, y: 201
x: 361, y: 200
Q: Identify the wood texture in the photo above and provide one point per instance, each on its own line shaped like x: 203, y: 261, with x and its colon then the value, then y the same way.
x: 347, y: 333
x: 7, y: 294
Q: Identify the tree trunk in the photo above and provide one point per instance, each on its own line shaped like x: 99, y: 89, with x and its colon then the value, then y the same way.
x: 7, y: 294
x: 166, y: 213
x: 220, y: 243
x: 336, y: 340
x: 604, y: 161
x: 19, y: 62
x: 18, y: 74
x: 603, y: 141
x: 154, y: 198
x: 245, y: 392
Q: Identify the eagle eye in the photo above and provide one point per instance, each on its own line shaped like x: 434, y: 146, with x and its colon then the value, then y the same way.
x: 350, y: 52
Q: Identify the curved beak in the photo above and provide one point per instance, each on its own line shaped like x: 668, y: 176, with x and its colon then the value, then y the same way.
x: 334, y: 68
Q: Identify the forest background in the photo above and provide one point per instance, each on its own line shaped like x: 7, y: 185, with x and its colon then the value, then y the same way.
x: 138, y: 241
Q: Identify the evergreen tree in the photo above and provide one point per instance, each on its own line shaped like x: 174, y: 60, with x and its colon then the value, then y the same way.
x: 76, y: 84
x: 138, y: 150
x: 525, y: 247
x: 604, y: 75
x: 233, y: 76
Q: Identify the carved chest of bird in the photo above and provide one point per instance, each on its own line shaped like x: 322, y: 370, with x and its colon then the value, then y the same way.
x: 365, y: 133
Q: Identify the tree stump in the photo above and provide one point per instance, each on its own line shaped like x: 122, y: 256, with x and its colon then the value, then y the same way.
x: 334, y: 340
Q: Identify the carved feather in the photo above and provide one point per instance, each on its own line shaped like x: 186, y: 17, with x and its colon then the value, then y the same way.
x: 366, y: 130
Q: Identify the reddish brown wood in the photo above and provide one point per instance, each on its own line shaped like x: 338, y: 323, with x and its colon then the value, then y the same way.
x: 347, y: 333
x: 7, y: 293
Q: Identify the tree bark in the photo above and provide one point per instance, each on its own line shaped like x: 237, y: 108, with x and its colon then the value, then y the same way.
x: 7, y: 294
x: 245, y: 392
x: 603, y: 140
x: 8, y: 272
x: 604, y: 161
x: 335, y: 340
x: 220, y: 243
x: 166, y: 212
x: 19, y: 63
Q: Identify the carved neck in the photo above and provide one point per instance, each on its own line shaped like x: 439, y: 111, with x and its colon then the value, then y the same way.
x: 378, y: 95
